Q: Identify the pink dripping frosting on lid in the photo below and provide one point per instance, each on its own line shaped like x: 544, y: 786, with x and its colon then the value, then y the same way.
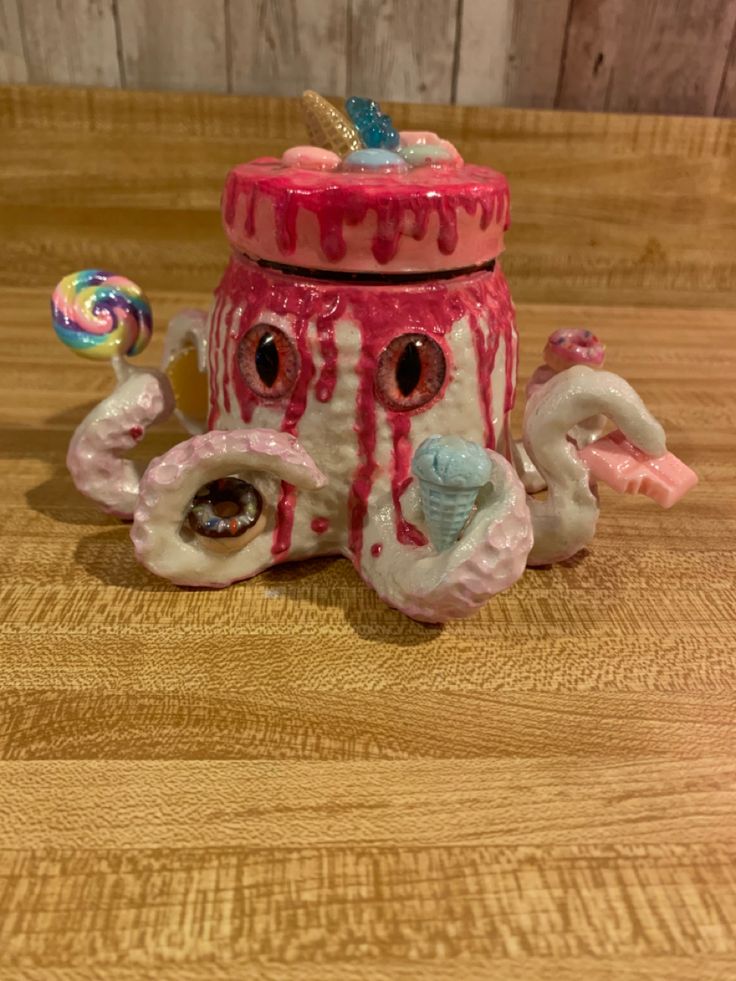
x: 425, y: 219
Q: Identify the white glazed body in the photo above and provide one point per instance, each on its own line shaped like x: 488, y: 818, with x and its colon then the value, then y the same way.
x: 331, y: 429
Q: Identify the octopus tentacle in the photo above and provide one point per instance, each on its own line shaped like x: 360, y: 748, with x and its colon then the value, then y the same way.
x: 565, y: 521
x: 452, y: 584
x: 111, y: 429
x: 163, y: 541
x: 530, y: 477
x: 584, y: 432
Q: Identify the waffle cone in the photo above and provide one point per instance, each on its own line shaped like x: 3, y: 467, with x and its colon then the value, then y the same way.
x: 327, y: 126
x: 446, y: 509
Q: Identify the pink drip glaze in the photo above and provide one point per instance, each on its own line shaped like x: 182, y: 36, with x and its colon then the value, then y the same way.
x: 388, y: 229
x: 264, y: 200
x: 298, y: 401
x: 331, y: 236
x: 485, y: 354
x: 328, y: 349
x: 400, y: 423
x: 286, y: 209
x: 250, y: 214
x: 447, y: 238
x: 380, y: 313
x: 294, y: 411
x: 229, y: 202
x: 320, y: 525
x: 226, y: 360
x: 420, y: 214
x: 376, y: 549
x: 365, y: 430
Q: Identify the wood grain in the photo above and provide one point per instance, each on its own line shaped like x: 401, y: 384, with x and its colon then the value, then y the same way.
x: 241, y: 905
x: 402, y: 51
x: 160, y: 723
x: 481, y: 52
x: 288, y: 46
x: 71, y: 42
x: 635, y: 56
x: 173, y: 44
x: 396, y: 804
x: 535, y: 52
x: 286, y: 780
x: 465, y: 968
x: 726, y: 104
x: 586, y: 54
x: 12, y: 56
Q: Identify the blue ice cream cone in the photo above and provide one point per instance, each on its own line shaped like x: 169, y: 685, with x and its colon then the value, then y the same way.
x: 450, y: 471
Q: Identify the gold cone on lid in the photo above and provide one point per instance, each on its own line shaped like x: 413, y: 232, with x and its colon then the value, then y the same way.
x: 327, y: 126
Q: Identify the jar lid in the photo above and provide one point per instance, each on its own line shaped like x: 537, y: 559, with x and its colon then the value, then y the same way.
x: 439, y: 215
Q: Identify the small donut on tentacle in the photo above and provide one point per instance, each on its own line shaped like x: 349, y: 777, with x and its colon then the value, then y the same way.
x: 161, y: 533
x: 573, y: 345
x: 225, y: 511
x: 100, y: 315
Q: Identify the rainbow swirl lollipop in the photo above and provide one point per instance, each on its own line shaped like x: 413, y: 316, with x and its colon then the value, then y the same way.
x: 100, y: 315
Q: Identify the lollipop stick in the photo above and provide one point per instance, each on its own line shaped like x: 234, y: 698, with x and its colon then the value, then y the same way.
x: 122, y: 368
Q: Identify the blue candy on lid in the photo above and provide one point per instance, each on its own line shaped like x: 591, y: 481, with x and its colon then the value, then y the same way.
x: 426, y: 155
x: 375, y: 127
x: 374, y: 160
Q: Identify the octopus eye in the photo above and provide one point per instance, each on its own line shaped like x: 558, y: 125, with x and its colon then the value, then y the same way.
x: 411, y: 371
x: 268, y: 361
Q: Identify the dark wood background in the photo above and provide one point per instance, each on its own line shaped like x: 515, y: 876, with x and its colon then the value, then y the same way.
x: 657, y: 56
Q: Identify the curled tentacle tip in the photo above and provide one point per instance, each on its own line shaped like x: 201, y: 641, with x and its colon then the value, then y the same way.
x: 100, y: 315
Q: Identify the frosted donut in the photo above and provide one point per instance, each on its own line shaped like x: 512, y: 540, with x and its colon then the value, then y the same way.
x: 225, y: 509
x: 573, y: 345
x: 164, y: 541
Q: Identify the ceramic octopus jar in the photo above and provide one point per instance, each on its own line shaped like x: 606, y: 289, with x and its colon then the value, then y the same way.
x: 349, y: 391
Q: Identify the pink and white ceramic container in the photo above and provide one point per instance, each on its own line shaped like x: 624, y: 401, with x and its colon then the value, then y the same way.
x: 360, y: 361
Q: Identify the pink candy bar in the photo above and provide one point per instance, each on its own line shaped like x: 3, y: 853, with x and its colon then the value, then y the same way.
x: 618, y: 463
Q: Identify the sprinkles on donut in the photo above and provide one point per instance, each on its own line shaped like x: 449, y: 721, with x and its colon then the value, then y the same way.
x: 573, y: 345
x: 225, y: 508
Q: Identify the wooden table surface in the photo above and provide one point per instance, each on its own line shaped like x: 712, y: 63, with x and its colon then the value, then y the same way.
x: 287, y: 779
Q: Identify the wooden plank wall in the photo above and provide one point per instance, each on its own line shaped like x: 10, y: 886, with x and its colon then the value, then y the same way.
x: 663, y: 56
